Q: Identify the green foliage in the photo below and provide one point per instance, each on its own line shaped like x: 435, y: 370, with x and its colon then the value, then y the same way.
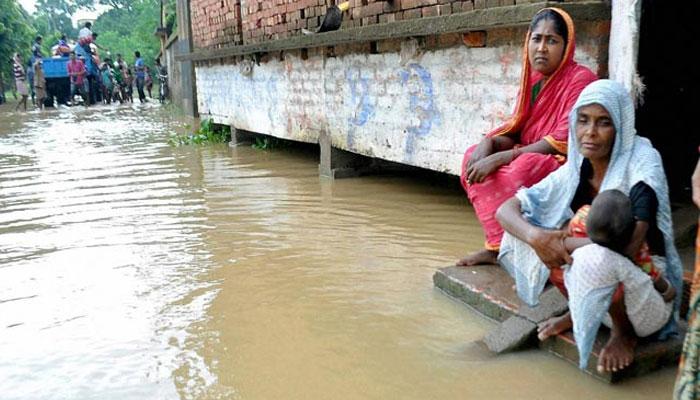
x: 268, y: 143
x: 49, y: 40
x: 130, y: 28
x: 54, y: 16
x: 51, y: 26
x: 117, y: 4
x: 264, y: 143
x: 127, y: 27
x: 207, y: 133
x: 16, y: 34
x: 170, y: 22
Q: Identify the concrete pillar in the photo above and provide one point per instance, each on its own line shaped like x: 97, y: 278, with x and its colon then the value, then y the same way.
x: 188, y: 99
x: 239, y: 137
x: 336, y: 163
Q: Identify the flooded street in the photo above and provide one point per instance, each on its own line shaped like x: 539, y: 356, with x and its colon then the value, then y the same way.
x: 131, y: 269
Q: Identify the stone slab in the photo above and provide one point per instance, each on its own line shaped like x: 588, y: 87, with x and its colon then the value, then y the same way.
x: 521, y: 329
x: 552, y: 303
x: 511, y: 334
x: 489, y: 290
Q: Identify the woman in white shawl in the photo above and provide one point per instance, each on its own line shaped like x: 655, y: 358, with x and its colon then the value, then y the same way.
x: 604, y: 153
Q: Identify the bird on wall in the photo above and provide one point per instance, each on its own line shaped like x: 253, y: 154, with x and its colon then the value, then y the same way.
x: 332, y: 19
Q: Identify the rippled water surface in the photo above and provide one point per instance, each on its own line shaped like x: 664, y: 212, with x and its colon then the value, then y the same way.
x: 130, y: 269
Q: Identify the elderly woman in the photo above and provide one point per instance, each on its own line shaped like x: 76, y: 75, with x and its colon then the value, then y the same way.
x: 604, y: 153
x: 532, y: 143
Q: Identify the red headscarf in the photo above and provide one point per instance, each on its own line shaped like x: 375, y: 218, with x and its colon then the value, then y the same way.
x: 547, y: 118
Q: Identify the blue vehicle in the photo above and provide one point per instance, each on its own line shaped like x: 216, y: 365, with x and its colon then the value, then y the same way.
x: 57, y: 79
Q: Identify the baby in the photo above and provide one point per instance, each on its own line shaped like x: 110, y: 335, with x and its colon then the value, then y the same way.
x: 609, y: 222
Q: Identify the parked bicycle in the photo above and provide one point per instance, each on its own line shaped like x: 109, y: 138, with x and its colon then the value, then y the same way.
x: 164, y: 89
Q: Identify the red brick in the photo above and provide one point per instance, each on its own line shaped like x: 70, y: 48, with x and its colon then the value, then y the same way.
x: 372, y: 9
x: 412, y: 14
x: 449, y: 39
x: 369, y: 20
x: 445, y: 9
x: 389, y: 46
x: 431, y: 11
x: 474, y: 39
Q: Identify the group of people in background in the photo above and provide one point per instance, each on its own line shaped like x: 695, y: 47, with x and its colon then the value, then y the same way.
x: 92, y: 79
x: 115, y: 81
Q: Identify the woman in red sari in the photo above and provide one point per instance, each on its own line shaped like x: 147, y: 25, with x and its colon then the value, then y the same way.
x: 532, y: 143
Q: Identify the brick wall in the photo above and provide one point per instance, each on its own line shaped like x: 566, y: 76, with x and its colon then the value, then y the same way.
x: 216, y: 23
x: 219, y: 23
x: 277, y: 19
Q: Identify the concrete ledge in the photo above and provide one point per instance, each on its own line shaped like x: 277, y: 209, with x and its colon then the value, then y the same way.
x: 488, y: 289
x: 499, y: 17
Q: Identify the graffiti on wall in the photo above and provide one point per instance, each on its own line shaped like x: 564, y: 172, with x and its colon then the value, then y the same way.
x: 362, y: 107
x: 419, y: 84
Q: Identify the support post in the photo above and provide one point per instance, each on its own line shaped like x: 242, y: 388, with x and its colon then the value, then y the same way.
x: 337, y: 164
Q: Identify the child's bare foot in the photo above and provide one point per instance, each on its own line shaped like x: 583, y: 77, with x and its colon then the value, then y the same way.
x: 618, y: 353
x: 554, y: 326
x: 479, y: 258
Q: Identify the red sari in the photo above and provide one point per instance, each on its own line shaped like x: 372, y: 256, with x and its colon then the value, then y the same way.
x: 544, y: 118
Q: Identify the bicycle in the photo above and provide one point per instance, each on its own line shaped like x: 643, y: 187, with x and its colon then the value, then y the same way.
x: 163, y: 90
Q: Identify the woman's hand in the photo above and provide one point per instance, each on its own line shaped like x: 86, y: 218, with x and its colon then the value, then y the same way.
x: 478, y: 171
x: 549, y: 246
x: 484, y: 149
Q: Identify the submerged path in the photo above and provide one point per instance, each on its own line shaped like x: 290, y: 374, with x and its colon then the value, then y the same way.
x: 130, y: 269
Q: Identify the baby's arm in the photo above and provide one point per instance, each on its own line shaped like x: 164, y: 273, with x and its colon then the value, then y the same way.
x: 638, y: 237
x: 573, y: 243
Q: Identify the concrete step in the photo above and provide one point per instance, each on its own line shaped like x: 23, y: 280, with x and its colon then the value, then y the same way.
x: 489, y: 290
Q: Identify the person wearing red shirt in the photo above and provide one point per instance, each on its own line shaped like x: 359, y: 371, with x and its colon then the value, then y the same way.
x: 78, y: 81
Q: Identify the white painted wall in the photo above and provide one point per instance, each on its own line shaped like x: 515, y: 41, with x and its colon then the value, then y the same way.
x: 413, y: 107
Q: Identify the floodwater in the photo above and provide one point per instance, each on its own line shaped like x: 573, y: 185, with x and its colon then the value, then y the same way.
x: 130, y: 269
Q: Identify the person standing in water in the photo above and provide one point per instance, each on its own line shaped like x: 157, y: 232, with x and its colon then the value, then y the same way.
x: 20, y: 81
x: 78, y: 80
x: 140, y: 72
x: 39, y: 83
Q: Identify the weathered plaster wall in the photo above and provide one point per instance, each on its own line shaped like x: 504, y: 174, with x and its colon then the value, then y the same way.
x: 179, y: 77
x: 408, y: 104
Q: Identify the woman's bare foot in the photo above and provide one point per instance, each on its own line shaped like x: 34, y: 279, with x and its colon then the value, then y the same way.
x: 618, y: 353
x: 478, y: 258
x: 554, y: 326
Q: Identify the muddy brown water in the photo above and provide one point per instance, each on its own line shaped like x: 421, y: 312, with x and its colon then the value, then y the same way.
x: 130, y: 269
